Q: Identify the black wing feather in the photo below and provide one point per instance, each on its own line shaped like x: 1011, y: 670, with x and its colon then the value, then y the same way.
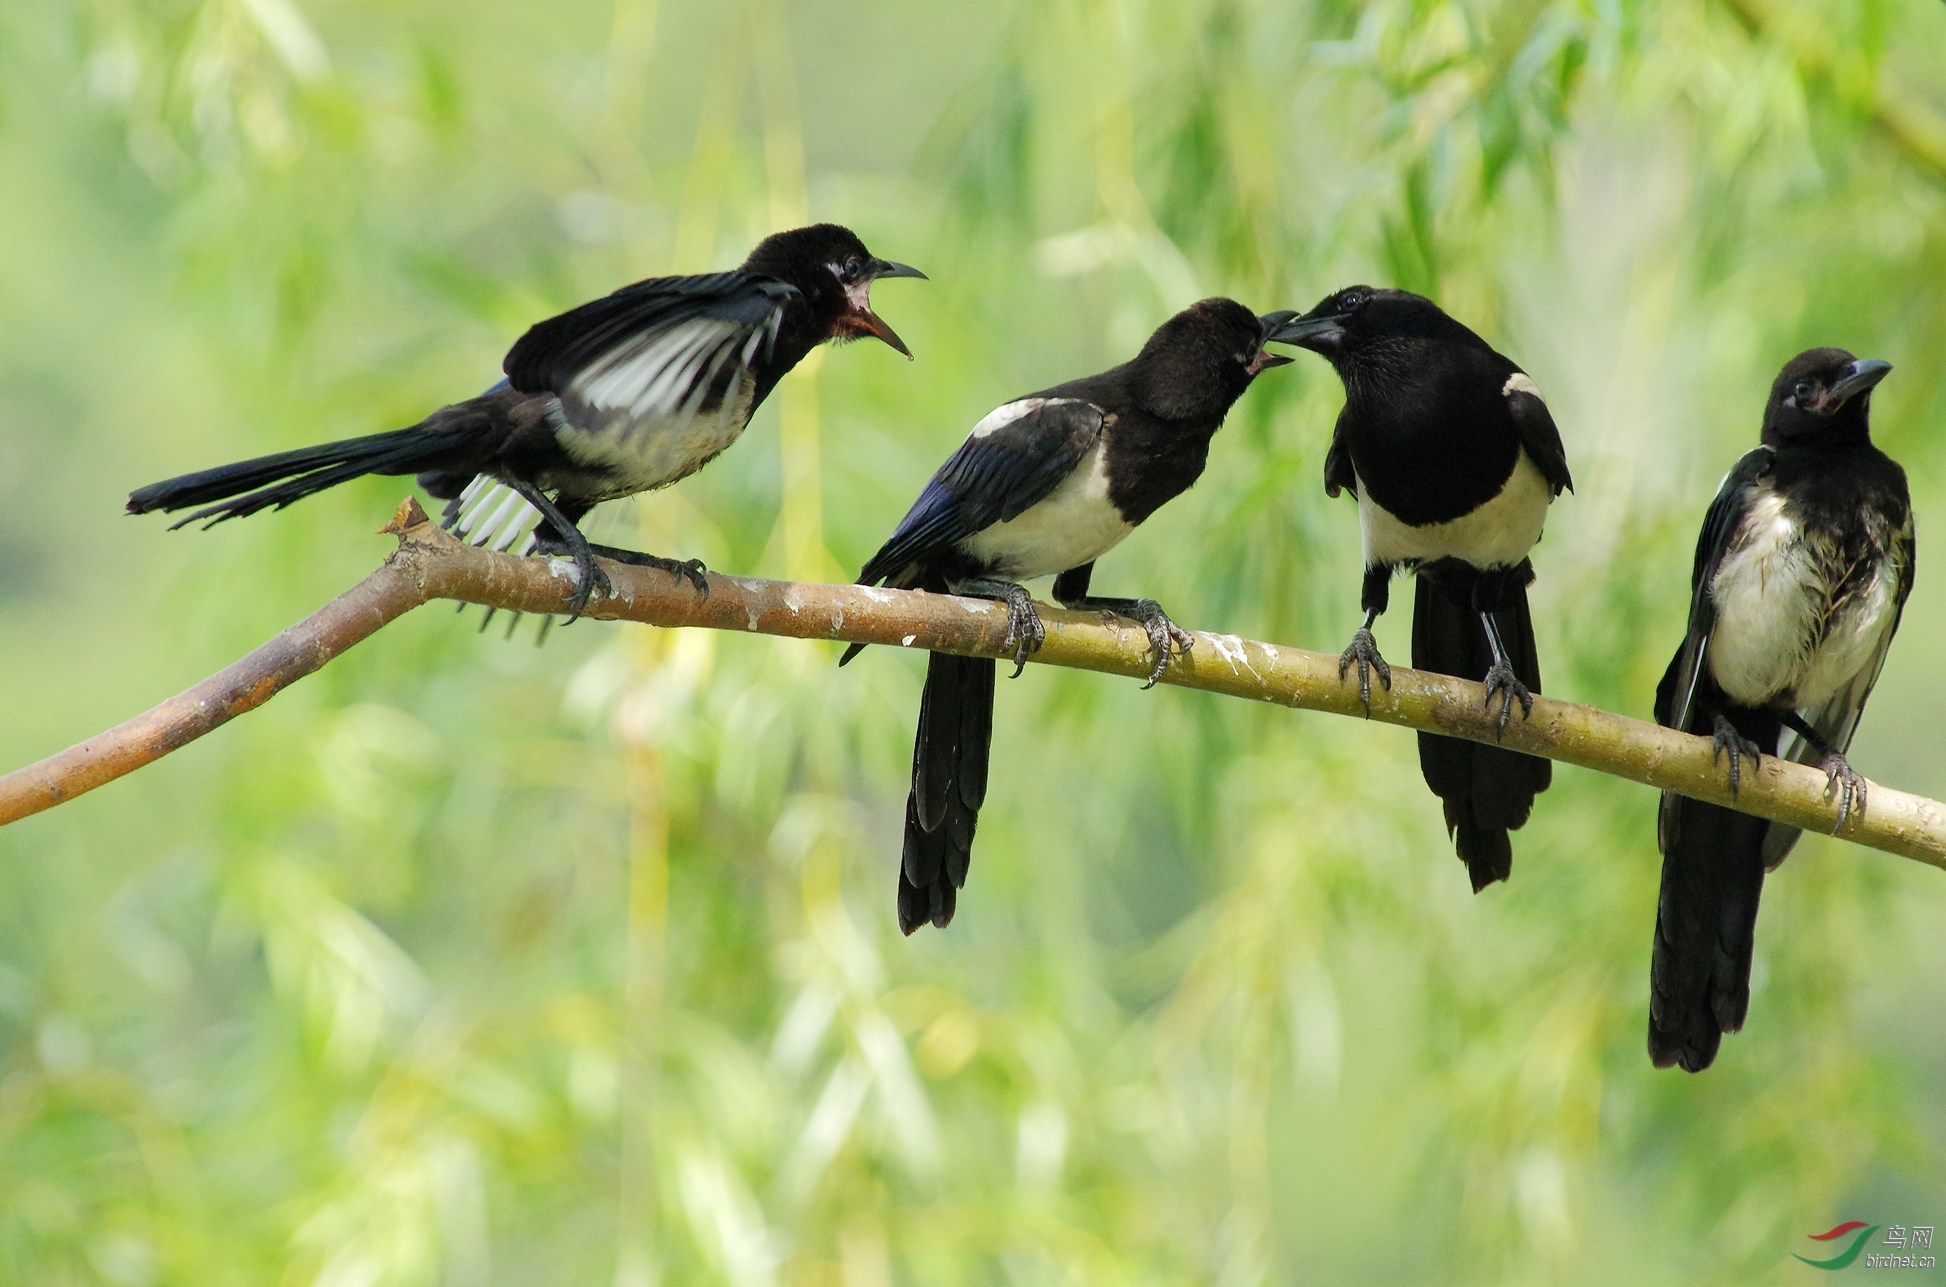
x: 1541, y: 438
x: 553, y: 352
x: 992, y: 478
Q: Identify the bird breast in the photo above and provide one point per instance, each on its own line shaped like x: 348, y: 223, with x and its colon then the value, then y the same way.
x: 1798, y: 613
x: 1072, y: 525
x: 1496, y: 534
x: 641, y: 447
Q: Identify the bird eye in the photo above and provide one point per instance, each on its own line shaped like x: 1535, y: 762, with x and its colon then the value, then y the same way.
x: 1351, y: 302
x: 1803, y: 391
x: 851, y: 272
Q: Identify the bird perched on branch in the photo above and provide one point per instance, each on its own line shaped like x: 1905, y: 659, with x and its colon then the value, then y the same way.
x: 1454, y: 459
x: 628, y: 393
x: 1802, y: 569
x: 1045, y: 485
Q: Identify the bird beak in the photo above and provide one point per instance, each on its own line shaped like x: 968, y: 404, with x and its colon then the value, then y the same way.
x: 863, y: 320
x: 1865, y: 373
x: 1320, y: 334
x: 1265, y: 359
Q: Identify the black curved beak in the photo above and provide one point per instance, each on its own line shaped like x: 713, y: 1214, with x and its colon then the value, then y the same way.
x: 1265, y: 359
x: 1318, y: 332
x: 1865, y: 373
x: 886, y: 268
x: 862, y: 320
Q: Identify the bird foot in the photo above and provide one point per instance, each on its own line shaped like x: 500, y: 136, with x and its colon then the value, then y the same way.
x: 1166, y: 638
x: 1502, y: 681
x: 1024, y: 629
x: 1726, y: 738
x: 691, y: 570
x: 1847, y: 784
x: 590, y: 579
x: 1363, y: 653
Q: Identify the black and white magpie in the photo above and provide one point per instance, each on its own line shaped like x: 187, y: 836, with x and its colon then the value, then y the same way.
x: 1045, y: 485
x: 628, y: 393
x: 1802, y: 569
x: 1454, y: 459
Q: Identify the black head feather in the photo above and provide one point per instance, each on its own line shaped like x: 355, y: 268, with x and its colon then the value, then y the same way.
x: 834, y: 272
x: 1822, y: 396
x: 1363, y: 323
x: 1200, y: 361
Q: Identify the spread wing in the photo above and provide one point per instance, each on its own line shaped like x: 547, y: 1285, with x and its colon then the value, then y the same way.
x: 1014, y: 457
x: 1537, y: 430
x: 1675, y: 696
x: 659, y: 348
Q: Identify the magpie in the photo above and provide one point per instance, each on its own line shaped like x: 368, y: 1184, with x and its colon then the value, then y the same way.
x: 1045, y: 485
x: 1802, y: 570
x: 1453, y: 458
x: 625, y: 394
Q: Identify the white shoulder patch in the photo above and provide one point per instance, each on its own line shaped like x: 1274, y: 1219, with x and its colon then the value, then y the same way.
x: 1005, y: 414
x: 1519, y: 383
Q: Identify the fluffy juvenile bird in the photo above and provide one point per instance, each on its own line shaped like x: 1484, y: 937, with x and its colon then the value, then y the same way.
x: 1802, y: 569
x: 628, y: 393
x: 1453, y: 459
x: 1045, y: 485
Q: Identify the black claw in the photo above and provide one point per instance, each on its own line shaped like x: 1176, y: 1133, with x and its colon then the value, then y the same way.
x: 1846, y: 782
x: 1501, y: 680
x: 1726, y: 738
x: 1363, y: 652
x: 1024, y: 628
x: 1166, y: 639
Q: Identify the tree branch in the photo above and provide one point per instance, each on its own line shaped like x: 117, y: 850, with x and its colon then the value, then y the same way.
x: 430, y: 564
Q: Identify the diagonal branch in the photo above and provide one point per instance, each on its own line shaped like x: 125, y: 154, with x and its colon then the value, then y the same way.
x: 430, y: 564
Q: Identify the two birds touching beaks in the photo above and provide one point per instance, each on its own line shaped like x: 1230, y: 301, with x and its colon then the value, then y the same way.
x: 1447, y: 447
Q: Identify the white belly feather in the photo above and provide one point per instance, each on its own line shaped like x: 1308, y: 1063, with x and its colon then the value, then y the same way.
x: 1497, y: 534
x: 655, y: 449
x: 1771, y: 636
x: 1074, y: 524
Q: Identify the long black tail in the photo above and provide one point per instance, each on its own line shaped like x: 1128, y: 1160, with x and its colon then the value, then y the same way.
x: 949, y: 783
x: 1705, y: 928
x: 1487, y: 791
x: 446, y: 440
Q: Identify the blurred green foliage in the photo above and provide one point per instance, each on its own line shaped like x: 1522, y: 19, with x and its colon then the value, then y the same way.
x: 467, y: 962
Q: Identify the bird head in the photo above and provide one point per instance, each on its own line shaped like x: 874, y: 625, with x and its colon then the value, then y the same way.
x: 1822, y: 395
x: 1201, y: 360
x: 834, y: 271
x: 1353, y: 323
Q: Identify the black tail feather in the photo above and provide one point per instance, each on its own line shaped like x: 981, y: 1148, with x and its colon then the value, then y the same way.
x: 251, y: 485
x: 1705, y: 930
x: 949, y: 783
x: 1486, y: 791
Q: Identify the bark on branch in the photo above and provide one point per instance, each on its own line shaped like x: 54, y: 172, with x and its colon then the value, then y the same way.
x: 430, y: 564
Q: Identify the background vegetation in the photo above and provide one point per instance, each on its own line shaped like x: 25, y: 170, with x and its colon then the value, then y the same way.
x: 466, y: 962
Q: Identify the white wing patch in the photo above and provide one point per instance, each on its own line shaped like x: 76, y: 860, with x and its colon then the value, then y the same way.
x: 1519, y: 383
x: 1005, y: 414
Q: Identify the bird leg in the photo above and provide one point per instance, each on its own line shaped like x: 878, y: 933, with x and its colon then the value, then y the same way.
x: 1025, y: 633
x: 1839, y: 777
x: 567, y: 540
x: 1726, y: 737
x: 1373, y: 597
x: 1166, y: 638
x: 1501, y: 678
x: 692, y: 569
